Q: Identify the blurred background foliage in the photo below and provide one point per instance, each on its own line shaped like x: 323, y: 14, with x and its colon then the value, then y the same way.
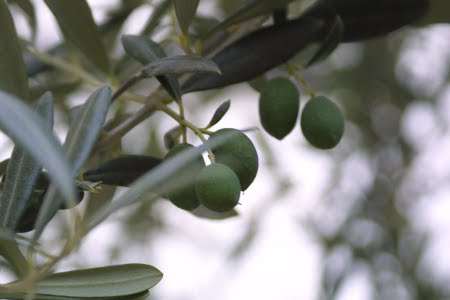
x: 373, y: 213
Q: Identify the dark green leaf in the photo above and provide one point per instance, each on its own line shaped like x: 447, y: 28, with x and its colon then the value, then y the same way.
x: 175, y: 65
x: 258, y: 52
x: 22, y: 173
x: 185, y: 11
x: 330, y: 42
x: 251, y: 9
x: 219, y: 113
x: 77, y: 24
x: 110, y: 281
x: 13, y: 76
x: 179, y: 65
x: 29, y: 131
x: 144, y: 50
x: 171, y: 137
x: 368, y: 19
x: 80, y: 140
x: 123, y: 170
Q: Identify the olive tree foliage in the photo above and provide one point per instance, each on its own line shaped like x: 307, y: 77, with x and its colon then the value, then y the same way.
x: 182, y: 51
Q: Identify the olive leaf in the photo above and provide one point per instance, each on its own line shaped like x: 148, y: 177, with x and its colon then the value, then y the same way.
x: 159, y: 10
x: 368, y: 19
x: 174, y: 65
x: 144, y: 50
x: 77, y: 24
x: 171, y: 137
x: 122, y: 170
x: 21, y: 296
x: 27, y: 129
x: 13, y: 76
x: 185, y: 11
x: 330, y: 42
x: 112, y: 282
x: 22, y: 173
x: 258, y: 52
x: 219, y: 113
x: 251, y: 9
x: 79, y: 142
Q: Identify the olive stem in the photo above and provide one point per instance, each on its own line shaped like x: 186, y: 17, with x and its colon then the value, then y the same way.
x: 64, y: 66
x: 185, y: 124
x: 292, y: 69
x: 11, y: 252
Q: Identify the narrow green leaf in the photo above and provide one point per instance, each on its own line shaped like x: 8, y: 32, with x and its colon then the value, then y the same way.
x: 172, y: 136
x: 175, y: 65
x: 21, y: 296
x: 185, y: 11
x: 219, y: 113
x: 27, y: 129
x: 80, y: 140
x: 13, y: 76
x: 157, y: 180
x: 178, y: 65
x: 331, y: 41
x: 122, y: 170
x: 251, y: 9
x: 22, y: 173
x: 110, y: 281
x: 82, y: 137
x: 144, y: 50
x: 77, y: 24
x: 159, y: 11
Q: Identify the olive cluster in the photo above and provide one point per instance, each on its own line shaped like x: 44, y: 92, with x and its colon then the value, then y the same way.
x: 321, y: 120
x: 217, y: 186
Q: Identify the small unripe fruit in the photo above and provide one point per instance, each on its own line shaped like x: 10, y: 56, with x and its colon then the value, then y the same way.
x: 218, y: 188
x: 238, y: 153
x: 322, y: 123
x: 278, y: 107
x: 182, y: 191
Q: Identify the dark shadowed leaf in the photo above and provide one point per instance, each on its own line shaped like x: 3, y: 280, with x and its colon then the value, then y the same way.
x: 29, y: 131
x: 13, y: 76
x: 80, y: 140
x: 185, y: 11
x: 178, y: 65
x: 171, y: 137
x: 75, y: 20
x: 330, y: 42
x: 250, y: 9
x: 258, y: 52
x: 219, y: 113
x: 144, y: 50
x: 22, y: 173
x: 123, y: 170
x: 175, y: 65
x: 368, y: 19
